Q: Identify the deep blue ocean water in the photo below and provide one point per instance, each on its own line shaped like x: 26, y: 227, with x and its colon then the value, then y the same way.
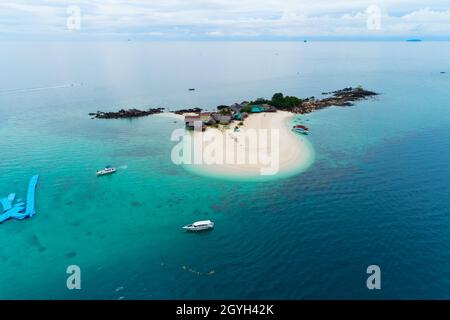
x: 377, y: 193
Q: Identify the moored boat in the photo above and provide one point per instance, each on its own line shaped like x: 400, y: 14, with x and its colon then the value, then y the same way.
x: 199, y: 226
x: 297, y: 130
x: 300, y: 129
x: 107, y: 170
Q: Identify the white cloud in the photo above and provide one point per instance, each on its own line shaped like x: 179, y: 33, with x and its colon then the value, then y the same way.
x: 215, y: 33
x: 222, y: 18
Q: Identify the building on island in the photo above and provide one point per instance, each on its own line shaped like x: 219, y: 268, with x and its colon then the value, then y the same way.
x: 269, y: 108
x: 240, y: 116
x: 221, y: 118
x: 264, y: 107
x: 192, y: 121
x: 236, y: 107
x: 226, y: 114
x: 205, y: 117
x: 257, y: 109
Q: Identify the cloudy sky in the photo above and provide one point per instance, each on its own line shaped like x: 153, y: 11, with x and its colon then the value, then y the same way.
x: 224, y: 19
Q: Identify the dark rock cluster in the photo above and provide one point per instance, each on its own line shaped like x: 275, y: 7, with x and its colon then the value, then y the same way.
x: 122, y: 113
x: 192, y: 110
x: 342, y: 98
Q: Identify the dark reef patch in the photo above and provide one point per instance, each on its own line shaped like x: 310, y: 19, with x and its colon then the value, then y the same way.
x: 136, y: 204
x: 35, y: 242
x: 71, y: 254
x: 218, y: 207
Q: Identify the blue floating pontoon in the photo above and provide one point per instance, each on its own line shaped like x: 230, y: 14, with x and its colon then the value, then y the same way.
x: 7, y: 202
x: 20, y: 210
x: 31, y: 195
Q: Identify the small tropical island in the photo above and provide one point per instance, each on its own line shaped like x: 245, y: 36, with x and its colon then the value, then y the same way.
x: 230, y: 129
x: 238, y: 111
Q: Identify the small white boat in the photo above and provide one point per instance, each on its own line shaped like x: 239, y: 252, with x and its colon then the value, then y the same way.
x: 299, y: 130
x: 107, y: 170
x: 199, y: 226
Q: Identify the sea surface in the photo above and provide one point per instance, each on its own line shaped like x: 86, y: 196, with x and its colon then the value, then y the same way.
x: 378, y: 192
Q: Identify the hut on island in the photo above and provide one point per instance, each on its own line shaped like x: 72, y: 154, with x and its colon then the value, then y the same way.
x: 193, y: 121
x: 264, y: 107
x: 221, y: 118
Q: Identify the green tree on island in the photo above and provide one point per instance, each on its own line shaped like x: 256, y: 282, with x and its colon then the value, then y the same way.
x: 225, y: 111
x: 258, y: 101
x: 280, y: 101
x: 247, y: 109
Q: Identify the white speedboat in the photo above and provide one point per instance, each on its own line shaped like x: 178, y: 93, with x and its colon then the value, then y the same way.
x: 300, y: 129
x: 107, y: 170
x: 199, y: 226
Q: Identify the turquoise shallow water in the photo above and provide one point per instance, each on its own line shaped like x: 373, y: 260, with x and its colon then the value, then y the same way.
x: 377, y: 192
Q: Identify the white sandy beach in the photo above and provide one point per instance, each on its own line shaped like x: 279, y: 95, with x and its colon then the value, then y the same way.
x: 286, y: 152
x: 170, y: 115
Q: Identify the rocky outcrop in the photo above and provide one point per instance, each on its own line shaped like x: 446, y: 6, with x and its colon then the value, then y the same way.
x: 340, y: 98
x: 192, y: 110
x: 122, y: 113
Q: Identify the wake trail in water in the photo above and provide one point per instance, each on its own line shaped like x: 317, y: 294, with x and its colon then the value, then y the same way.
x: 26, y: 90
